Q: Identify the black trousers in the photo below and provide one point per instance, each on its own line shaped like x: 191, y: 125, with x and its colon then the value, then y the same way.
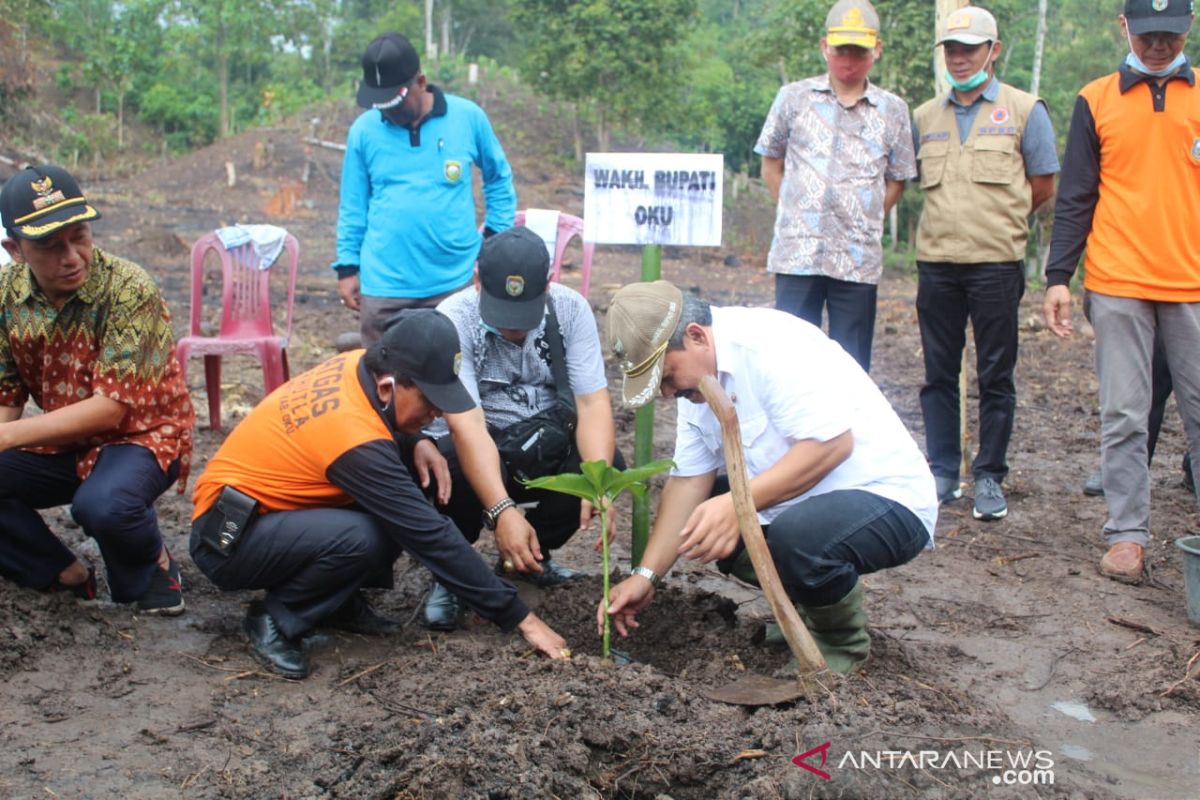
x: 310, y: 562
x: 555, y: 518
x: 821, y: 545
x: 947, y: 296
x: 851, y: 308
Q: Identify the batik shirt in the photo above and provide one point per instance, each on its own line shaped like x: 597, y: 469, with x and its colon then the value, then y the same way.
x: 112, y: 338
x: 829, y: 220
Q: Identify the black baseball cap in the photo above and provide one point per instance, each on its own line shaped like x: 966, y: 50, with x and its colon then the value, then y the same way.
x: 389, y: 62
x: 421, y: 344
x: 514, y: 271
x: 1159, y: 16
x: 38, y: 201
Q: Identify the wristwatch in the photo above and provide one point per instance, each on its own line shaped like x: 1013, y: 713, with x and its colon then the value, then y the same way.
x: 648, y: 574
x: 491, y: 515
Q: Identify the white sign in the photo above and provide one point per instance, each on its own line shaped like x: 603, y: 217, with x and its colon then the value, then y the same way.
x: 653, y: 198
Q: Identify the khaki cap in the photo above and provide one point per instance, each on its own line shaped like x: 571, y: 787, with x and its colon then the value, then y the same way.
x: 641, y: 319
x: 970, y: 25
x: 852, y: 22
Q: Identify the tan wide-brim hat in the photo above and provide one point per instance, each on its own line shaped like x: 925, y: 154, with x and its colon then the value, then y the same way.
x: 641, y: 319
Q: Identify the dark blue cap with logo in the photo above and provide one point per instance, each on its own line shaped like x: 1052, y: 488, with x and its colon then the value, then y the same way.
x: 40, y: 200
x: 514, y: 271
x: 1159, y: 16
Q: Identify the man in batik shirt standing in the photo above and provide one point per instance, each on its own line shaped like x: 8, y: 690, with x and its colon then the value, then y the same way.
x: 836, y: 152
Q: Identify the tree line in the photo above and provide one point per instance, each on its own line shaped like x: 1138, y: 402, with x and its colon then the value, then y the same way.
x: 699, y: 74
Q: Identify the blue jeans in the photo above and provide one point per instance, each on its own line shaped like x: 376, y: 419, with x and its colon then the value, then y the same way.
x: 114, y: 506
x: 851, y: 308
x: 947, y: 296
x: 821, y: 545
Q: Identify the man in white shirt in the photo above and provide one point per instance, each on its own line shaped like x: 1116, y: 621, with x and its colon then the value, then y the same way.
x: 841, y: 487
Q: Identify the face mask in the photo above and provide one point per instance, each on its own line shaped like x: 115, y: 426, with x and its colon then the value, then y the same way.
x: 973, y: 82
x: 1135, y: 63
x: 851, y: 69
x: 490, y: 328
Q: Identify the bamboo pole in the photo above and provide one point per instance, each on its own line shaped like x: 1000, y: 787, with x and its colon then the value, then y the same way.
x: 808, y: 657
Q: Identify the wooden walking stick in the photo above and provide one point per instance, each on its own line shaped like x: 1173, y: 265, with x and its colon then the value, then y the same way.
x: 808, y: 657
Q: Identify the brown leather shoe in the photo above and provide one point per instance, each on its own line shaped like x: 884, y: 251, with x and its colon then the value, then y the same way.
x: 1123, y: 562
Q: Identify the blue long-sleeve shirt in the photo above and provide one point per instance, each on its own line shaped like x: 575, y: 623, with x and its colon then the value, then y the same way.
x: 406, y: 217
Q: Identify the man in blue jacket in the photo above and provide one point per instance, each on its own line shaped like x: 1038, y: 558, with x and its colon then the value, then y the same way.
x: 406, y: 232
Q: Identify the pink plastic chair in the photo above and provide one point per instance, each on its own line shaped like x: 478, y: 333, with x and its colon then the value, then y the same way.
x: 568, y: 228
x: 246, y: 324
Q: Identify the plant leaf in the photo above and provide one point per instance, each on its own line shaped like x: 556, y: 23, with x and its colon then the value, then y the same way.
x: 598, y: 473
x: 626, y: 479
x: 571, y: 483
x: 597, y: 481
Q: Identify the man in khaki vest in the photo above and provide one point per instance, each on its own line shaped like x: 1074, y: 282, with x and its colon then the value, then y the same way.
x: 987, y: 160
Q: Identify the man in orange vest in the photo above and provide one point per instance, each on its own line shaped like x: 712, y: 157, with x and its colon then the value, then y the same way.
x: 318, y: 490
x: 1129, y: 196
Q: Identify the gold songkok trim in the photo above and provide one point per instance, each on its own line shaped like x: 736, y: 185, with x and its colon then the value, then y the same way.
x: 35, y: 230
x: 638, y: 369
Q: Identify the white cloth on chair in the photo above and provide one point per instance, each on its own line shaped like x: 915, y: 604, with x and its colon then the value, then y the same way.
x: 544, y: 222
x: 267, y: 240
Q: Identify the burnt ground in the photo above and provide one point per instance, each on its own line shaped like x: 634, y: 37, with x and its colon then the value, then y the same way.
x: 974, y: 643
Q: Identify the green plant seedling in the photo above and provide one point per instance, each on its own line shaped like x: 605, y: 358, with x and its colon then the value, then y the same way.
x: 600, y: 483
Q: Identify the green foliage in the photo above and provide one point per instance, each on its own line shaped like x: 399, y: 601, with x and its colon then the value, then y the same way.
x: 86, y: 136
x: 188, y: 119
x: 620, y: 59
x: 600, y: 484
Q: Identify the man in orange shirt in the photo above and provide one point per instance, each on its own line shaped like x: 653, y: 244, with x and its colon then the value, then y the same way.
x: 1130, y: 195
x: 317, y: 491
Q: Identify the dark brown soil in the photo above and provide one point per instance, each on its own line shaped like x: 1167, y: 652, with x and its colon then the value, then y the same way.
x: 974, y: 643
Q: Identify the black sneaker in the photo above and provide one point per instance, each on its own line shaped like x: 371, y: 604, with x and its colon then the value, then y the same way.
x: 1094, y: 486
x: 84, y: 591
x: 165, y: 595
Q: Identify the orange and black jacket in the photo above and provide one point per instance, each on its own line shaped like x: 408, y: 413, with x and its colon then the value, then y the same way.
x: 322, y: 440
x: 1130, y: 189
